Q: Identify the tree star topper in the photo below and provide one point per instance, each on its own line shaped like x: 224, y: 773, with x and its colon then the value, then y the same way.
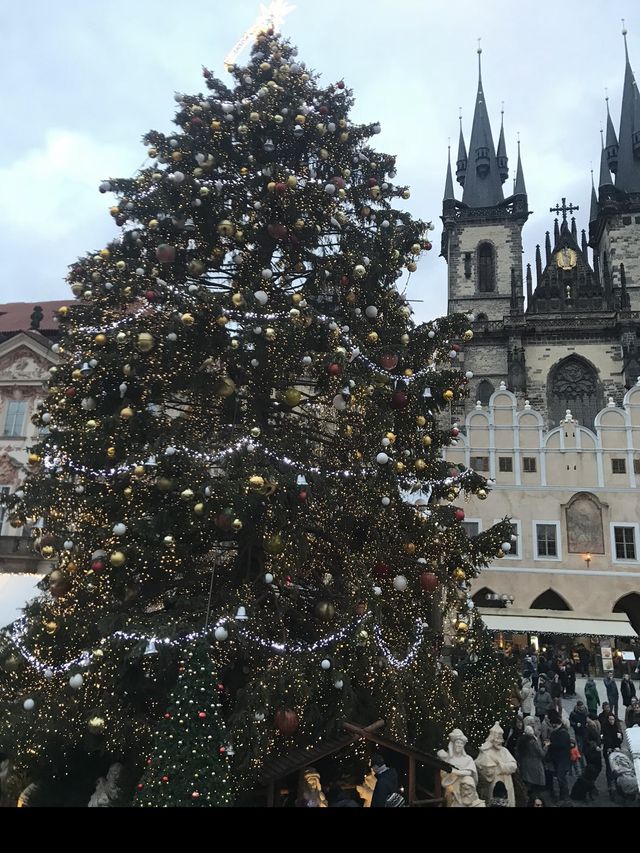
x: 270, y: 16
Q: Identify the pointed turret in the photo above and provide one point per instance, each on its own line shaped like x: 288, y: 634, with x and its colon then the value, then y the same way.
x: 519, y: 188
x: 448, y: 184
x: 584, y: 245
x: 461, y: 162
x: 530, y: 283
x: 483, y: 185
x: 611, y: 144
x: 628, y: 172
x: 556, y: 232
x: 503, y: 160
x: 538, y: 265
x: 593, y: 212
x: 547, y: 247
x: 574, y: 229
x: 605, y: 174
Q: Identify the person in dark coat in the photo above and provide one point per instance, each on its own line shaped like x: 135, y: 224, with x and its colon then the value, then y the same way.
x: 543, y: 701
x: 530, y: 758
x: 627, y: 689
x: 571, y: 678
x: 578, y: 719
x: 386, y: 781
x: 612, y: 693
x: 592, y: 696
x: 516, y: 731
x: 583, y: 654
x: 611, y: 739
x: 556, y: 692
x: 630, y: 712
x: 604, y: 715
x: 559, y: 751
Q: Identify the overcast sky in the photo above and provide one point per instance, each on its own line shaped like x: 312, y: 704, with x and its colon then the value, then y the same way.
x: 83, y: 81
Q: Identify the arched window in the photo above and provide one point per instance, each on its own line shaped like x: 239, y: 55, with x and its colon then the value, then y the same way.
x: 481, y: 599
x: 485, y: 390
x: 573, y: 384
x: 549, y: 600
x: 486, y: 268
x: 629, y: 604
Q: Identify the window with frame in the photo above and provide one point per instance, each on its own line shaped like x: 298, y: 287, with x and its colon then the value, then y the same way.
x: 625, y: 542
x: 486, y: 268
x: 14, y: 420
x: 505, y: 464
x: 529, y: 464
x: 471, y: 528
x: 546, y: 540
x: 480, y: 463
x: 636, y: 466
x: 618, y: 466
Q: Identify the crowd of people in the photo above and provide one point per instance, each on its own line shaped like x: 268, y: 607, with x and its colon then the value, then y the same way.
x: 553, y: 748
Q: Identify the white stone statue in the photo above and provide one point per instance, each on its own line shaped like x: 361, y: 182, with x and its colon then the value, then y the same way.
x: 107, y: 790
x: 310, y: 789
x: 496, y: 764
x: 468, y: 795
x: 463, y: 768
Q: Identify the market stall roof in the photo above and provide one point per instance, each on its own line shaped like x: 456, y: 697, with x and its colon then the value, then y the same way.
x: 15, y: 591
x: 556, y: 622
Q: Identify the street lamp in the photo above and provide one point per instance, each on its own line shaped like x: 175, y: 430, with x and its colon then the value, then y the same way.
x: 587, y: 559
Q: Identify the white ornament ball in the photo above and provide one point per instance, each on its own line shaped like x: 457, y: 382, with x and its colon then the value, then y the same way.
x: 506, y: 547
x: 172, y: 336
x: 261, y: 297
x: 48, y: 674
x: 385, y: 442
x: 255, y: 362
x: 267, y: 274
x: 76, y: 681
x: 339, y: 403
x: 377, y: 590
x: 46, y: 418
x: 119, y: 529
x: 221, y: 633
x: 400, y: 583
x: 330, y: 189
x: 431, y: 334
x: 307, y: 360
x: 371, y: 312
x: 382, y: 458
x: 28, y: 704
x: 338, y: 684
x: 68, y: 545
x: 268, y: 578
x: 386, y: 501
x: 326, y: 664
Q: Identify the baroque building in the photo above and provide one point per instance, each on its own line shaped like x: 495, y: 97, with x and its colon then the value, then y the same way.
x: 552, y: 413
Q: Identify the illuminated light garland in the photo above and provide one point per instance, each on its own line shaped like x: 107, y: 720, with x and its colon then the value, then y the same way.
x: 411, y: 654
x: 250, y: 445
x: 19, y: 629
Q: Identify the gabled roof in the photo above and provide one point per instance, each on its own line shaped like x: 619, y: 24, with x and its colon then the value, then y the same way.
x: 16, y: 316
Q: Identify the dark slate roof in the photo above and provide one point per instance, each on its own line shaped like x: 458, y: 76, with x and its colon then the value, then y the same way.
x: 593, y: 212
x: 519, y: 188
x: 483, y: 191
x: 628, y: 174
x: 605, y: 174
x: 448, y: 184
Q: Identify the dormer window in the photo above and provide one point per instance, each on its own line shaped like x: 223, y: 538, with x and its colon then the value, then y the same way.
x: 486, y: 268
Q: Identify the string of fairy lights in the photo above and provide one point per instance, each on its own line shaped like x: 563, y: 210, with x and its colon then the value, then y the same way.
x: 19, y: 630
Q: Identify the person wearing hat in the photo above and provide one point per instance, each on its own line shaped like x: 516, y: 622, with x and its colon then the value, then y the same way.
x: 386, y: 781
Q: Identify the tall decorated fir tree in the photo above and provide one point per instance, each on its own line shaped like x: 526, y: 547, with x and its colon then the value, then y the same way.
x: 244, y: 443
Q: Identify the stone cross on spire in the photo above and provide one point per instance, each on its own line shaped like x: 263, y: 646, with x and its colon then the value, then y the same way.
x: 564, y: 208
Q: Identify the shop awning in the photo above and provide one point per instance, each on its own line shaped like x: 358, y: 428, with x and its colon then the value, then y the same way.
x: 556, y: 622
x: 15, y: 591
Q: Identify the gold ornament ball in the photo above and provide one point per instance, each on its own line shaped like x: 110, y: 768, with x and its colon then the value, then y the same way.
x: 51, y: 627
x: 235, y: 343
x: 254, y: 116
x: 500, y: 554
x: 121, y: 337
x: 100, y: 340
x: 47, y: 551
x: 255, y: 432
x: 186, y: 495
x: 97, y: 654
x: 420, y: 464
x: 270, y: 334
x: 274, y: 544
x: 145, y: 342
x: 91, y: 425
x: 482, y: 494
x: 426, y: 440
x: 111, y: 452
x: 11, y: 663
x: 126, y: 413
x: 198, y: 509
x: 297, y: 298
x: 409, y: 548
x: 412, y: 266
x: 215, y: 125
x: 391, y: 437
x: 372, y: 337
x: 415, y: 249
x: 468, y: 335
x: 164, y: 484
x: 176, y: 156
x: 256, y: 481
x: 462, y: 627
x: 406, y: 194
x: 77, y: 289
x: 459, y: 574
x: 121, y: 266
x: 237, y: 299
x: 399, y: 467
x: 292, y: 396
x: 359, y: 271
x: 226, y: 228
x: 224, y: 387
x: 292, y: 181
x: 421, y: 420
x: 127, y: 491
x: 448, y: 394
x: 187, y: 319
x: 222, y: 320
x: 236, y: 524
x: 168, y: 541
x: 117, y: 559
x: 138, y: 470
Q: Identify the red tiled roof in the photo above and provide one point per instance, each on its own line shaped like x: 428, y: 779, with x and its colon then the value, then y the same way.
x: 16, y: 316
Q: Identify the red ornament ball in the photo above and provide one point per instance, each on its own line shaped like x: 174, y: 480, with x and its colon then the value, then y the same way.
x: 286, y: 721
x: 373, y: 182
x: 381, y: 570
x: 165, y: 253
x: 139, y: 786
x: 277, y: 230
x: 323, y: 111
x: 455, y: 432
x: 428, y: 581
x: 195, y: 795
x: 340, y: 84
x: 456, y: 347
x: 202, y: 714
x: 339, y: 182
x: 459, y: 515
x: 220, y: 688
x: 344, y: 280
x: 302, y: 496
x: 389, y: 361
x: 399, y: 400
x: 428, y: 245
x: 222, y: 750
x: 165, y: 778
x: 196, y: 121
x: 281, y: 187
x: 71, y: 392
x: 98, y: 565
x: 150, y: 295
x: 335, y: 369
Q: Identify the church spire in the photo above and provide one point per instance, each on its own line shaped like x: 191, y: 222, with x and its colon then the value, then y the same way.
x: 461, y: 162
x: 519, y: 188
x: 483, y: 184
x: 448, y: 184
x: 611, y: 143
x: 593, y: 212
x: 628, y: 171
x: 503, y: 160
x: 605, y: 175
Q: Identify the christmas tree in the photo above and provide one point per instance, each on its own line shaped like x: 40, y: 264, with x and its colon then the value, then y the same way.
x: 244, y: 443
x: 189, y: 762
